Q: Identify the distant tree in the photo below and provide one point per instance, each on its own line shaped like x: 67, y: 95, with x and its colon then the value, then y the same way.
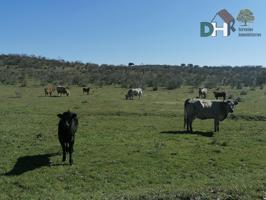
x: 173, y: 83
x: 131, y: 64
x: 245, y: 16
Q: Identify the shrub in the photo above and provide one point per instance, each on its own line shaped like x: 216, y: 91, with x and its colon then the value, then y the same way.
x: 155, y: 88
x: 18, y: 94
x: 243, y: 92
x: 252, y: 89
x: 173, y: 84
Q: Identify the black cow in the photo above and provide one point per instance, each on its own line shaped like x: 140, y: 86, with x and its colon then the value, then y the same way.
x: 62, y: 90
x: 220, y: 94
x: 67, y: 128
x: 129, y: 95
x: 86, y: 90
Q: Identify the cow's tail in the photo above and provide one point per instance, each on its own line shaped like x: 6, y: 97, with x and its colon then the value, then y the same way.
x: 185, y: 112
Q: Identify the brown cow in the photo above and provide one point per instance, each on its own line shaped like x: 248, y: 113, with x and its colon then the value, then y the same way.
x: 49, y: 91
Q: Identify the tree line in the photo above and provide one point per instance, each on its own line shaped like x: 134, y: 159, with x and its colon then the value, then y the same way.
x: 18, y: 69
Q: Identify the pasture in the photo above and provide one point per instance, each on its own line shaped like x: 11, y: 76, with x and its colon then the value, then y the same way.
x: 134, y: 149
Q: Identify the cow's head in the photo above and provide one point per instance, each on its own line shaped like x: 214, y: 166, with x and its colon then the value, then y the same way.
x: 67, y: 118
x: 230, y: 105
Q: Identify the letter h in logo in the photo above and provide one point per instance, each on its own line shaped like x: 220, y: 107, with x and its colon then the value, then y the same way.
x: 228, y: 25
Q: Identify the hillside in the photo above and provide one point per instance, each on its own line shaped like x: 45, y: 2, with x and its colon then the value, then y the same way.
x: 17, y: 69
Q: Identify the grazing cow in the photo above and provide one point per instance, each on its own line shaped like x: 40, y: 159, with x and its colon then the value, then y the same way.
x: 134, y: 92
x: 129, y: 95
x: 62, y: 90
x: 203, y: 92
x: 86, y: 90
x: 49, y: 91
x: 137, y: 92
x: 219, y: 94
x: 206, y: 109
x: 67, y: 128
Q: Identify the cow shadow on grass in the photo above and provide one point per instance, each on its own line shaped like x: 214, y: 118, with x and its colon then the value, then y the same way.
x: 205, y: 134
x: 29, y: 163
x: 49, y: 96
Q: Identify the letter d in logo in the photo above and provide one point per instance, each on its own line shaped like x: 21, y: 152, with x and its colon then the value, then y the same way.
x: 203, y: 26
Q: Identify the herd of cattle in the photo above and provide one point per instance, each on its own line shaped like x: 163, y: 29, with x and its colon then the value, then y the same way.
x: 61, y: 90
x: 198, y: 107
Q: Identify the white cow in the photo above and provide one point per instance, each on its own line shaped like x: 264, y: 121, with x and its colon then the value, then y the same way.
x: 207, y: 109
x: 203, y: 92
x: 137, y: 92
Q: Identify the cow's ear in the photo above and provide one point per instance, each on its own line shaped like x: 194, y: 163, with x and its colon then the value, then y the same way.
x: 60, y: 116
x: 74, y: 115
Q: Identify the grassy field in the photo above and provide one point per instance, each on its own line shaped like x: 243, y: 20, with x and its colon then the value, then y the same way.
x: 130, y: 149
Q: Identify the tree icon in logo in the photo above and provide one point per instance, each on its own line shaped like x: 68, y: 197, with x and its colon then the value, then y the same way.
x: 245, y: 16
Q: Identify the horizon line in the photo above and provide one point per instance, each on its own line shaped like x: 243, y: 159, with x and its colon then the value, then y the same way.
x: 182, y: 64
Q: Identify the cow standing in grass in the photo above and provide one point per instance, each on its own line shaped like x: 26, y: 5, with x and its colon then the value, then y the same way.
x: 62, y: 91
x: 134, y: 92
x: 67, y: 128
x: 219, y: 94
x: 137, y: 92
x: 86, y: 90
x: 49, y: 91
x: 203, y: 92
x: 129, y: 95
x: 206, y: 109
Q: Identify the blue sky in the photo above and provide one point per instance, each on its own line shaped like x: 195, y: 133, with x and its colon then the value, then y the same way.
x: 122, y: 31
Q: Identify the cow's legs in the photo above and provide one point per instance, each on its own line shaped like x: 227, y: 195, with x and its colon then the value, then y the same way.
x: 187, y: 124
x: 71, y: 144
x: 190, y: 126
x: 64, y: 151
x: 216, y: 125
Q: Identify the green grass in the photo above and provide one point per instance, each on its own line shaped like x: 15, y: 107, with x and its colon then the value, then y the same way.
x: 129, y: 149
